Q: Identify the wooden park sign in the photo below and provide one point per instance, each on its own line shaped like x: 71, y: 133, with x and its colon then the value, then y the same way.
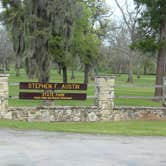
x: 48, y: 93
x: 52, y: 86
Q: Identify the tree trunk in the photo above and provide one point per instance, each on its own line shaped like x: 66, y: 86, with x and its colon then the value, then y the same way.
x: 130, y: 68
x: 72, y: 73
x: 119, y: 70
x: 160, y: 72
x: 17, y: 67
x: 92, y: 74
x: 145, y: 69
x: 138, y: 70
x: 165, y: 68
x: 59, y: 69
x: 3, y: 63
x: 42, y: 59
x: 64, y: 69
x: 161, y: 61
x: 86, y: 72
x: 7, y: 65
x: 44, y: 79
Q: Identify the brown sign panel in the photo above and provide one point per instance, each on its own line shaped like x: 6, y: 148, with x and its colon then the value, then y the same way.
x: 52, y: 86
x: 52, y: 96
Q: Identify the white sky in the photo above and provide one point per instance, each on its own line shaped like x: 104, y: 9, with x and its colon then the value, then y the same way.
x: 116, y: 13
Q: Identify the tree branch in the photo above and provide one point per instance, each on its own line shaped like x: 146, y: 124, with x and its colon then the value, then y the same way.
x: 123, y: 14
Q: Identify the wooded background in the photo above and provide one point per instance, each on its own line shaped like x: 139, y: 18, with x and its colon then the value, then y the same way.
x: 83, y: 36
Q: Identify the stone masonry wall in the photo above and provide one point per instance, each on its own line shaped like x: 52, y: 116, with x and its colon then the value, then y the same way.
x: 104, y: 109
x: 52, y: 114
x: 3, y: 92
x: 138, y: 113
x: 80, y: 114
x: 104, y: 92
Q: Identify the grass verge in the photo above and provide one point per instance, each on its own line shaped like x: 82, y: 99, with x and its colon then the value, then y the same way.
x: 129, y: 128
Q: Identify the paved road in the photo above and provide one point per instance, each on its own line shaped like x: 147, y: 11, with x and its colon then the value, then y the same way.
x: 34, y: 148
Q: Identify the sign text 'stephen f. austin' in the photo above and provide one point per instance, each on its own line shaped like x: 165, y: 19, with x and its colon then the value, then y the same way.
x: 52, y: 86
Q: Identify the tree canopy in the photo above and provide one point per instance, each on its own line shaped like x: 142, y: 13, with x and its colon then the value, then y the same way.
x: 46, y: 30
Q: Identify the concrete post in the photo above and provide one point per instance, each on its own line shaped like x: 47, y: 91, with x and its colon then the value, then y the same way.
x: 3, y: 92
x: 105, y: 95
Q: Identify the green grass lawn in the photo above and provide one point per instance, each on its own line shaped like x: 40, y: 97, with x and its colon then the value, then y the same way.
x: 130, y: 128
x: 140, y: 87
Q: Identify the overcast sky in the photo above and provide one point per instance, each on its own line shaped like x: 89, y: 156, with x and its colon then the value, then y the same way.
x: 114, y: 8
